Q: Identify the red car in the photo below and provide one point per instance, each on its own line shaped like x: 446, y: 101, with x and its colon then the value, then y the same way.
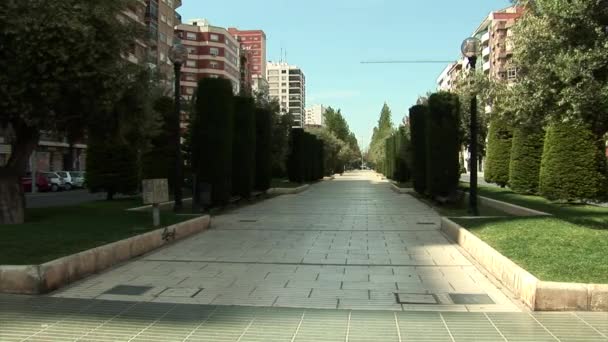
x: 42, y: 182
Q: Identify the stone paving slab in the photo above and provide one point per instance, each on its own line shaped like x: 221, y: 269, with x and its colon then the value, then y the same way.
x: 25, y: 318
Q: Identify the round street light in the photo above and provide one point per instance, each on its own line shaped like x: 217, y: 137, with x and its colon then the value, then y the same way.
x: 178, y: 54
x: 470, y: 47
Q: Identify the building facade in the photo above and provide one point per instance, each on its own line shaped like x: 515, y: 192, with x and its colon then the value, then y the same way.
x: 287, y: 84
x: 315, y: 116
x: 254, y: 42
x: 161, y: 18
x: 212, y: 52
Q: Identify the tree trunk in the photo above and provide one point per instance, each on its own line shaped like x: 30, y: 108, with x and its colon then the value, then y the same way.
x: 12, y: 201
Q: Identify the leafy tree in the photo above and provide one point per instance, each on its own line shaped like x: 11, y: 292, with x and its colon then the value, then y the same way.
x: 572, y: 167
x: 335, y: 123
x: 526, y: 154
x: 243, y: 156
x: 381, y: 132
x: 442, y: 145
x: 212, y: 132
x: 499, y: 152
x: 158, y: 159
x: 336, y: 153
x: 263, y: 148
x: 61, y: 63
x: 112, y: 167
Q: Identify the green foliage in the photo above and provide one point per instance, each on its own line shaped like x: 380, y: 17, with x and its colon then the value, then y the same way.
x: 419, y: 115
x: 212, y: 131
x: 112, y: 167
x: 403, y: 160
x: 281, y: 126
x: 263, y: 149
x: 499, y: 152
x: 243, y: 149
x: 158, y: 160
x: 381, y: 132
x: 484, y: 89
x: 526, y: 154
x: 304, y: 162
x: 572, y: 167
x: 442, y: 144
x: 336, y: 153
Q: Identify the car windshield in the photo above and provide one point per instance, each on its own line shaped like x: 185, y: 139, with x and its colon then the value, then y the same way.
x: 51, y: 175
x: 62, y: 174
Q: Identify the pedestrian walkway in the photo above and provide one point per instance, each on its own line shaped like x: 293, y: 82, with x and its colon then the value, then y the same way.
x: 350, y: 243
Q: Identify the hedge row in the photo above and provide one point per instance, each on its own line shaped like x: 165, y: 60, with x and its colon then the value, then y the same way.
x: 418, y: 118
x: 305, y: 158
x: 398, y: 156
x: 499, y: 152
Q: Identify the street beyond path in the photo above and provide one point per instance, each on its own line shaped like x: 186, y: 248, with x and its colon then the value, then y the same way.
x: 350, y: 243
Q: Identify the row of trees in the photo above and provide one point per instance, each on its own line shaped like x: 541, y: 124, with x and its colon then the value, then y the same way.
x: 305, y: 160
x: 398, y: 155
x: 548, y: 130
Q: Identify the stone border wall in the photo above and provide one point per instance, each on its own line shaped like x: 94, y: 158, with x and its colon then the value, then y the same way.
x: 44, y: 278
x: 399, y: 190
x: 536, y: 294
x: 287, y: 191
x: 508, y: 208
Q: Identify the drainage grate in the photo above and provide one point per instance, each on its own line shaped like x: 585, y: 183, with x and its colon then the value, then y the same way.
x: 464, y: 298
x: 250, y: 221
x: 426, y: 223
x: 416, y: 298
x: 128, y: 290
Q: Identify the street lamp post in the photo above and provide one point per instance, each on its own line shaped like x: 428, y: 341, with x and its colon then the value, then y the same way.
x: 470, y: 49
x: 178, y: 56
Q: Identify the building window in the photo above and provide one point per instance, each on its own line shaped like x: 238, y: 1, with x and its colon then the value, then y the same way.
x: 162, y: 57
x: 190, y: 77
x: 163, y: 18
x: 162, y: 37
x: 191, y: 35
x: 512, y: 74
x: 214, y: 37
x: 170, y: 3
x: 283, y: 90
x: 214, y: 51
x: 214, y: 76
x: 273, y: 72
x: 255, y: 67
x: 283, y: 71
x: 214, y: 65
x: 191, y: 64
x: 191, y: 50
x: 189, y: 91
x: 283, y: 84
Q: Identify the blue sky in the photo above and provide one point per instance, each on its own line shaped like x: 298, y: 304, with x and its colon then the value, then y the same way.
x: 329, y: 38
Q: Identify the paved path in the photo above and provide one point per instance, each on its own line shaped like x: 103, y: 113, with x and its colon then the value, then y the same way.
x: 350, y: 243
x: 298, y: 268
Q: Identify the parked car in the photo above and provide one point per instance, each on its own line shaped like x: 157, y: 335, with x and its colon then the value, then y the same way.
x: 72, y: 179
x: 57, y: 182
x: 42, y: 182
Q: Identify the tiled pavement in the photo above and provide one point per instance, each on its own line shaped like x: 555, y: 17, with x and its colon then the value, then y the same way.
x: 350, y: 243
x: 64, y: 319
x: 324, y: 265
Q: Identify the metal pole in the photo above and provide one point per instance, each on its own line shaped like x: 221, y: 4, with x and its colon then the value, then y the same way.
x: 177, y: 184
x: 155, y: 215
x: 473, y: 209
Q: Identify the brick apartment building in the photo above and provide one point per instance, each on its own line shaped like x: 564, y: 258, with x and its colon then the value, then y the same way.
x: 253, y: 46
x: 212, y: 52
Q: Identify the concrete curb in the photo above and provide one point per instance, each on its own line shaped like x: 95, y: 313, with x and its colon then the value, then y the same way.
x: 44, y: 278
x: 399, y: 190
x: 161, y: 205
x: 509, y: 208
x: 536, y: 294
x: 287, y: 191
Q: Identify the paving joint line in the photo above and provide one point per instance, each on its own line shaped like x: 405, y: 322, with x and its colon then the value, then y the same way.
x: 299, y: 263
x: 200, y: 324
x: 397, y: 325
x: 495, y: 327
x: 59, y: 321
x: 298, y: 327
x: 350, y: 312
x: 247, y: 328
x: 446, y: 327
x: 155, y: 321
x: 543, y: 326
x: 108, y: 320
x: 588, y: 324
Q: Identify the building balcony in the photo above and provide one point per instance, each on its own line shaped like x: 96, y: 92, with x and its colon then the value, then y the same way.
x: 485, y: 51
x: 486, y: 66
x: 485, y: 37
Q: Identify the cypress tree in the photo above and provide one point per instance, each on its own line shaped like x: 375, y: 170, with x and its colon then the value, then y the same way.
x: 243, y: 156
x: 573, y: 165
x: 263, y: 149
x: 526, y: 154
x: 112, y: 167
x: 212, y: 130
x: 443, y: 145
x: 500, y: 138
x: 418, y: 117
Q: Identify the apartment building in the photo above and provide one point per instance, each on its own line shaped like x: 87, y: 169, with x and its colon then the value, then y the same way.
x: 253, y: 44
x: 315, y: 116
x: 212, y: 52
x: 495, y: 33
x: 161, y: 18
x: 287, y: 84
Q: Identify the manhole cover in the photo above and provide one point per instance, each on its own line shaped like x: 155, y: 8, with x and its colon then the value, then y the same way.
x: 128, y: 290
x: 464, y: 298
x: 416, y: 298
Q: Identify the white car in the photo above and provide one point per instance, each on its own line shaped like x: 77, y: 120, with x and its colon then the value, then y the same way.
x: 57, y: 182
x: 72, y: 179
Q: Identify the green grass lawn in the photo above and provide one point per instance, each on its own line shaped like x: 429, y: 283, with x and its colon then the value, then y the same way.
x: 50, y: 233
x: 571, y: 246
x: 283, y: 183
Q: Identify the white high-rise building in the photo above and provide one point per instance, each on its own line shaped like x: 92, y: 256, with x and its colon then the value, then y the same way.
x: 287, y: 84
x: 314, y: 116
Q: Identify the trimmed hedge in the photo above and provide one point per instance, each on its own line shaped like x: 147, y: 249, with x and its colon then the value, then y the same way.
x: 263, y: 149
x: 526, y: 155
x: 305, y: 157
x: 158, y: 161
x: 442, y: 145
x: 212, y: 130
x: 243, y: 147
x: 498, y: 157
x: 573, y: 165
x: 397, y: 155
x: 112, y: 167
x: 418, y: 118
